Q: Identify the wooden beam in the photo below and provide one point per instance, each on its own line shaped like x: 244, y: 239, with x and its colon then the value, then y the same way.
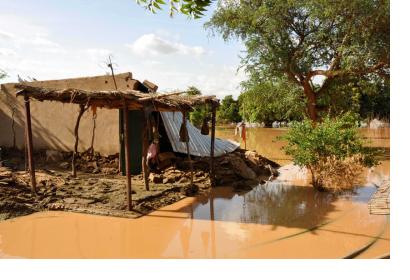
x: 127, y: 155
x: 29, y: 145
x: 212, y: 168
x: 159, y: 96
x: 75, y: 151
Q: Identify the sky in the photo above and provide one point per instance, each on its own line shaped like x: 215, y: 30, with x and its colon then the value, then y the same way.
x: 51, y: 39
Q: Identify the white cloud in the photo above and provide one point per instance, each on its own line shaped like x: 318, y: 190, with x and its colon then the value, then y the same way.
x: 152, y: 44
x: 6, y: 35
x: 7, y: 52
x: 98, y: 52
x: 28, y: 49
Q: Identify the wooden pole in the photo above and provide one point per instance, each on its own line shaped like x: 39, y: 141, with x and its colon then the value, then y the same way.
x: 127, y: 156
x: 74, y: 157
x: 29, y: 144
x: 25, y: 149
x: 191, y: 175
x: 144, y: 164
x: 212, y: 168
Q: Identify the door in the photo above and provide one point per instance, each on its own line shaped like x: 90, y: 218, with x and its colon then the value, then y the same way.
x: 135, y: 119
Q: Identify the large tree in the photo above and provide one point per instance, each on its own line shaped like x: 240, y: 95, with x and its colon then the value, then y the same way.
x: 314, y: 43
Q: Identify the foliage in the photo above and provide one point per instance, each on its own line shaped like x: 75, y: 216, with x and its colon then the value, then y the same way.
x: 271, y: 101
x: 369, y: 97
x: 2, y: 74
x: 229, y: 110
x: 312, y: 42
x: 192, y: 91
x: 191, y: 8
x: 326, y: 146
x: 200, y: 112
x: 375, y: 100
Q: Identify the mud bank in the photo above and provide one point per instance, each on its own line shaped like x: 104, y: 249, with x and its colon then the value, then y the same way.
x: 99, y: 189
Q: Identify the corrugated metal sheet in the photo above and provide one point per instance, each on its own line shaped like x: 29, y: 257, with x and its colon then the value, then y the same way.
x: 199, y: 145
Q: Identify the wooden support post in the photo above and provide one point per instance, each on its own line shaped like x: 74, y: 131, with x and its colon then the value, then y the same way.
x: 212, y: 168
x: 25, y: 149
x: 144, y: 164
x: 77, y: 125
x: 29, y: 145
x: 127, y: 156
x: 191, y: 175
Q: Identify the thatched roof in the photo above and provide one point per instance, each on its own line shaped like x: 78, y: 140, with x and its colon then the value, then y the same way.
x: 173, y: 101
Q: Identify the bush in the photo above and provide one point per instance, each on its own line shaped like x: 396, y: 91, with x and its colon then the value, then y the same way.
x: 332, y: 151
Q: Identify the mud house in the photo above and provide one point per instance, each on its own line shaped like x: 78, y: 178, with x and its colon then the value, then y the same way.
x: 54, y: 122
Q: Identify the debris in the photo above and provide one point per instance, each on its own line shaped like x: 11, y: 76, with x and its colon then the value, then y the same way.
x: 58, y: 190
x: 240, y: 167
x: 155, y: 178
x: 52, y: 155
x: 65, y: 165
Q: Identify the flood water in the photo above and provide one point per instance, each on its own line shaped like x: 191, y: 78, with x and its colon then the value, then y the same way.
x: 285, y: 218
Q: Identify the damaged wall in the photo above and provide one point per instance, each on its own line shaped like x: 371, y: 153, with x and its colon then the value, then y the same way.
x: 53, y: 122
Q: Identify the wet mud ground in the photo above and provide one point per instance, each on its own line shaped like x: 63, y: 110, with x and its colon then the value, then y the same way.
x: 96, y: 191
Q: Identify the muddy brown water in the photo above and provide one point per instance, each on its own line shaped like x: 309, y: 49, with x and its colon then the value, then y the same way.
x: 285, y: 218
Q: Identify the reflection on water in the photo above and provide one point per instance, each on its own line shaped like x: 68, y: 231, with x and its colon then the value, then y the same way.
x: 275, y: 203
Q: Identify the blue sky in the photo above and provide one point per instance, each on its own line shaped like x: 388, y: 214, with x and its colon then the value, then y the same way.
x: 51, y: 39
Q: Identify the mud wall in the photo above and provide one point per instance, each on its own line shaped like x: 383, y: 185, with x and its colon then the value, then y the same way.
x: 53, y: 122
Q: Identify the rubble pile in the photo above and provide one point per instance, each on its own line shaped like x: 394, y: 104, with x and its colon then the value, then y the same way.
x: 241, y: 169
x: 92, y: 162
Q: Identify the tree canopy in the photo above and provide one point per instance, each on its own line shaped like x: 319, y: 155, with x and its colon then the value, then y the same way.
x: 191, y: 8
x: 271, y: 101
x: 197, y: 116
x: 313, y: 43
x: 229, y: 110
x: 2, y: 74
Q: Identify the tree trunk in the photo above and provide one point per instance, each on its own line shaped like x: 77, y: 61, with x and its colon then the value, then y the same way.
x: 75, y: 152
x: 315, y: 181
x: 311, y: 102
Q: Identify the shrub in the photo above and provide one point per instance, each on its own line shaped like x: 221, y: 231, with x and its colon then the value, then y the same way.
x: 333, y: 151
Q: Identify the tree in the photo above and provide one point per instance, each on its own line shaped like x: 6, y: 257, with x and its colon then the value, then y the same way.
x: 229, y: 110
x: 332, y: 151
x: 313, y: 43
x: 271, y: 101
x: 191, y: 8
x: 2, y: 74
x: 200, y: 112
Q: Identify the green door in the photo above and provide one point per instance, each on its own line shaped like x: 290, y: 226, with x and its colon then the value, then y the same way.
x: 136, y: 118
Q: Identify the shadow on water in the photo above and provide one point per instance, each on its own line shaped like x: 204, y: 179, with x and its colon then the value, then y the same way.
x: 274, y: 203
